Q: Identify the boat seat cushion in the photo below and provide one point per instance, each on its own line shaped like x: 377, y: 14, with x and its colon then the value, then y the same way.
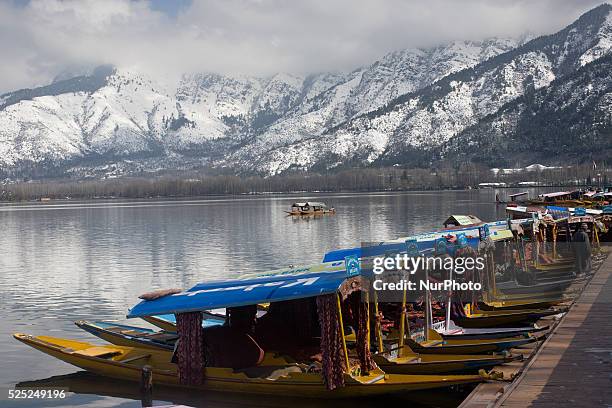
x: 131, y: 332
x: 100, y: 352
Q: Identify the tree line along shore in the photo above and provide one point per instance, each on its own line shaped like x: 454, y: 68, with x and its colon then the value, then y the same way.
x: 350, y: 180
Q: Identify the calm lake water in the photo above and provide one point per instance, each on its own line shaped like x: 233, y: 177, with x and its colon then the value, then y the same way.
x: 65, y: 261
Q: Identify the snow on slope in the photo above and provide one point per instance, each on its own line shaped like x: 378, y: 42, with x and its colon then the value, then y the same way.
x: 365, y: 90
x: 427, y: 118
x: 135, y: 115
x: 570, y: 117
x: 123, y: 117
x: 132, y: 114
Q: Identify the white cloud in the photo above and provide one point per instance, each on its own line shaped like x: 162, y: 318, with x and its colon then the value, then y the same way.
x: 45, y: 37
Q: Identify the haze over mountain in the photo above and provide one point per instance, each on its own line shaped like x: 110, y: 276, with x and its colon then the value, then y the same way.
x: 497, y: 102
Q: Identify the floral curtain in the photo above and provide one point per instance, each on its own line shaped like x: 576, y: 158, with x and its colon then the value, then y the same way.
x: 357, y: 315
x: 333, y: 362
x: 190, y: 348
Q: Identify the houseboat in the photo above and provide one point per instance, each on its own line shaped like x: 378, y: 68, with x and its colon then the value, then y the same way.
x: 310, y: 208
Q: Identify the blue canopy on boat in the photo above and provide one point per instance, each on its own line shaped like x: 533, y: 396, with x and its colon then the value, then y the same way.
x: 425, y: 242
x: 365, y: 251
x: 307, y: 282
x: 563, y: 211
x: 424, y: 247
x: 557, y: 208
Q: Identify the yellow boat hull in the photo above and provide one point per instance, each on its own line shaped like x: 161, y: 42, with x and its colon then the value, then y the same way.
x: 502, y: 318
x: 438, y: 345
x: 127, y: 362
x: 503, y: 313
x: 414, y: 363
x: 555, y: 266
x: 525, y: 297
x: 508, y: 305
x: 408, y: 363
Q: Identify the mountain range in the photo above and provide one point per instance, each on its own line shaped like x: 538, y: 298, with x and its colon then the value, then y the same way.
x: 498, y: 102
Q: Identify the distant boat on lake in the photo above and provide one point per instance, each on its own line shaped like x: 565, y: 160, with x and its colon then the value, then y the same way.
x: 310, y: 208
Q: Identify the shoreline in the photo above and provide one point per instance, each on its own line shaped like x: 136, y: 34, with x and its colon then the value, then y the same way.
x: 278, y: 193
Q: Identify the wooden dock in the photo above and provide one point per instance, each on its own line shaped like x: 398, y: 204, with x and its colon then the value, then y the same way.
x: 573, y: 367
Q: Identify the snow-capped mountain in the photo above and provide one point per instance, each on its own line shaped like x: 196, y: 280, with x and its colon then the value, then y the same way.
x: 411, y: 106
x: 569, y: 120
x: 366, y: 90
x: 409, y: 127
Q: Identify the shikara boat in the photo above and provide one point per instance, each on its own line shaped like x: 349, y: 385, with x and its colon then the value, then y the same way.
x: 589, y: 199
x: 520, y: 301
x: 533, y: 303
x: 410, y: 362
x: 557, y: 265
x: 130, y: 336
x: 310, y: 208
x: 290, y: 380
x: 461, y: 333
x: 320, y: 287
x: 511, y: 294
x: 558, y: 198
x: 438, y: 345
x: 489, y: 313
x: 512, y: 288
x: 485, y: 319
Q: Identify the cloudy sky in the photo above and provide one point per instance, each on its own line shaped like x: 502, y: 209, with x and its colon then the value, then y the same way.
x: 41, y: 38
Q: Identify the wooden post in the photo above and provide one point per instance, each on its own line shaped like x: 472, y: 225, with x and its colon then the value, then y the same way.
x: 449, y: 299
x: 554, y: 236
x: 348, y: 367
x: 492, y: 284
x: 402, y: 327
x: 146, y: 386
x: 523, y: 259
x: 428, y: 308
x: 378, y: 325
x: 367, y: 301
x: 489, y: 291
x: 491, y: 271
x: 408, y: 333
